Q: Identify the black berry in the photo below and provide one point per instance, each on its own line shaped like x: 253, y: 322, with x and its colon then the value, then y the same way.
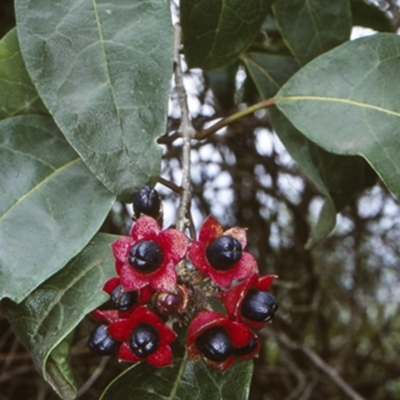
x: 168, y: 303
x: 144, y: 340
x: 224, y: 252
x: 101, y: 342
x: 123, y: 301
x: 146, y: 256
x: 146, y: 201
x: 245, y: 350
x: 215, y: 344
x: 258, y: 306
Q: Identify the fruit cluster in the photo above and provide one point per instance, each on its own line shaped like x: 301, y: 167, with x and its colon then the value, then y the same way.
x: 164, y: 279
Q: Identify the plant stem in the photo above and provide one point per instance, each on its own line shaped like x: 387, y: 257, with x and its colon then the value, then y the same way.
x: 170, y: 185
x: 187, y: 131
x: 234, y: 117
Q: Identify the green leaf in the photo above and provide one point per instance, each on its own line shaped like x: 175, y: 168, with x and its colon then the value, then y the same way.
x: 370, y: 16
x: 17, y: 93
x: 185, y: 380
x: 103, y: 69
x: 338, y: 178
x: 216, y: 32
x: 347, y: 101
x: 50, y: 204
x: 223, y: 85
x: 43, y: 322
x: 299, y: 147
x: 312, y: 27
x: 269, y: 72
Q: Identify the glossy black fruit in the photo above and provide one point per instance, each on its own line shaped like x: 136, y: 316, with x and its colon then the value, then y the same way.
x: 215, y: 344
x: 146, y: 201
x: 258, y: 306
x: 246, y: 350
x: 101, y: 342
x: 123, y: 301
x: 224, y: 252
x: 144, y: 340
x: 146, y: 256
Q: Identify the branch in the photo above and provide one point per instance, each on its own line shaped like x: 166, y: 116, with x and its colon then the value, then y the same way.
x: 220, y: 124
x: 171, y: 185
x: 319, y: 363
x: 187, y: 131
x: 234, y: 117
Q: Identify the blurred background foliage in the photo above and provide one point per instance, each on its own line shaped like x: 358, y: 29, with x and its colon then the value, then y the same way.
x: 337, y: 332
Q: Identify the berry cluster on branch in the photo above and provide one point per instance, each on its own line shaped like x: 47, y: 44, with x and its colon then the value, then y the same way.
x: 164, y: 280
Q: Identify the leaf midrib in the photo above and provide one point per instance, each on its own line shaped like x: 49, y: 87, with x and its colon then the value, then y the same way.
x: 102, y: 41
x: 335, y: 100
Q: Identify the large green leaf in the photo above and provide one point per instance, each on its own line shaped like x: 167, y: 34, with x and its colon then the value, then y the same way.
x: 216, y: 32
x: 185, y: 380
x: 103, y: 69
x: 347, y: 101
x: 51, y: 205
x: 312, y: 27
x: 17, y: 93
x: 44, y: 321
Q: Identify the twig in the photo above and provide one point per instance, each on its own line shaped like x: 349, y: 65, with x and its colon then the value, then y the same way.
x: 168, y: 139
x: 234, y: 117
x: 170, y: 185
x: 9, y: 375
x: 187, y: 131
x: 220, y: 124
x: 321, y: 364
x: 10, y: 356
x: 98, y: 371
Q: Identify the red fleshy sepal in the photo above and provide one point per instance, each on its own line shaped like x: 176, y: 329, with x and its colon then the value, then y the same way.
x: 239, y: 334
x: 209, y: 231
x: 121, y: 330
x: 108, y: 316
x: 233, y: 298
x: 126, y: 354
x: 161, y: 358
x: 173, y: 244
x: 111, y: 284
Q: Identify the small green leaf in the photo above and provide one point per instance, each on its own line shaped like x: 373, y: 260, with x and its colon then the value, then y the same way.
x: 370, y: 16
x: 298, y: 147
x: 338, y: 178
x: 223, y: 85
x: 17, y: 93
x: 312, y: 27
x: 185, y: 380
x: 43, y: 322
x: 216, y: 32
x: 347, y: 101
x: 51, y: 205
x: 103, y: 69
x: 269, y: 72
